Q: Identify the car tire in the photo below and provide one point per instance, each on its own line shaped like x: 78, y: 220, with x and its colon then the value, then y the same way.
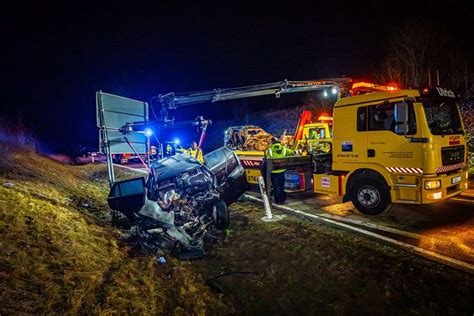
x: 370, y: 196
x: 220, y: 214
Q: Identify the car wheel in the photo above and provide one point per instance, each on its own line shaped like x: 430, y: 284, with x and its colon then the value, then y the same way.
x: 370, y: 196
x: 220, y: 214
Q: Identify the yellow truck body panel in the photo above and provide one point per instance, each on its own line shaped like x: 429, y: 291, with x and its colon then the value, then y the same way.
x: 404, y: 161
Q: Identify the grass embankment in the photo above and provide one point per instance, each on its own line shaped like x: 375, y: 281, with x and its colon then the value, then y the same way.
x: 59, y: 253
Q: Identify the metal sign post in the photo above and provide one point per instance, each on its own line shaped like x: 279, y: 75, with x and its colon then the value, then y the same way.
x: 114, y: 113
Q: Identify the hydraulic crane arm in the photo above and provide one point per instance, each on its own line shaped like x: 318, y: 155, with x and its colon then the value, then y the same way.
x: 173, y: 100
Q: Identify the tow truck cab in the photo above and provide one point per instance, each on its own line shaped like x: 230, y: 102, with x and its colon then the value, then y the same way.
x: 405, y: 146
x: 315, y: 136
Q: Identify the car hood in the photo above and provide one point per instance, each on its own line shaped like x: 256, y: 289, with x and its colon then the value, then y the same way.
x: 170, y: 167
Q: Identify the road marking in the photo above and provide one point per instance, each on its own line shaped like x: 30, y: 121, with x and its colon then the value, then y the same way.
x: 370, y: 225
x: 129, y: 168
x: 456, y: 199
x: 132, y: 169
x: 434, y: 256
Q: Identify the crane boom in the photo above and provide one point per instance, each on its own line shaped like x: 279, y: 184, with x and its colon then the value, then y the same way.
x: 174, y: 100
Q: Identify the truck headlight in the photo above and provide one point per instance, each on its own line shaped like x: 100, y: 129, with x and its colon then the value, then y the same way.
x: 432, y: 184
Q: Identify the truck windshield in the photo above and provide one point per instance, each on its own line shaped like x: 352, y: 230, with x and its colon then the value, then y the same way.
x: 316, y: 133
x: 443, y: 117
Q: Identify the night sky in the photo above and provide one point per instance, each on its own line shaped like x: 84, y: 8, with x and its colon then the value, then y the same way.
x: 56, y: 55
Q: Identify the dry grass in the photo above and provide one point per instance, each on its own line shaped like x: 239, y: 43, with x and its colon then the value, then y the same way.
x: 59, y: 254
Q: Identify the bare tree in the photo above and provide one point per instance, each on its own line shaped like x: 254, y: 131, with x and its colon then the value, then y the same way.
x: 459, y: 72
x: 390, y: 71
x: 413, y: 50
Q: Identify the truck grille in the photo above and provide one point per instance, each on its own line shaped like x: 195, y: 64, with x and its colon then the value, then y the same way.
x: 452, y: 155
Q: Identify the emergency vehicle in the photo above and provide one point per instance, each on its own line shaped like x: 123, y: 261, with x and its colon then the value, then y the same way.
x: 310, y: 136
x: 125, y: 158
x: 388, y: 145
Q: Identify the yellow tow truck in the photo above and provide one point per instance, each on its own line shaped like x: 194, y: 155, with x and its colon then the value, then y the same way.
x: 388, y: 145
x: 392, y: 146
x: 396, y: 146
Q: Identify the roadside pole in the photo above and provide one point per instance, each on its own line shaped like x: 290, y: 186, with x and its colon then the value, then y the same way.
x: 269, y: 217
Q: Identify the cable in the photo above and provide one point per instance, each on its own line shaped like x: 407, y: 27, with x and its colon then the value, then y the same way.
x: 230, y: 273
x: 152, y: 108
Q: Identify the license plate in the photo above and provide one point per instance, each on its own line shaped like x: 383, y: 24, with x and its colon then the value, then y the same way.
x: 456, y: 180
x: 252, y: 175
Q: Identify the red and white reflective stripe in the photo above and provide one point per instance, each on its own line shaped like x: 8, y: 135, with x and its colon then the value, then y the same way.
x: 404, y: 170
x: 450, y: 168
x: 250, y: 163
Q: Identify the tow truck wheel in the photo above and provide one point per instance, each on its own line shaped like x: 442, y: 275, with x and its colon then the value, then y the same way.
x: 370, y: 196
x: 220, y: 214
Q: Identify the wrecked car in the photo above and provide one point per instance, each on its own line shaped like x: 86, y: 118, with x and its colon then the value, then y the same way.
x: 181, y: 203
x: 247, y: 137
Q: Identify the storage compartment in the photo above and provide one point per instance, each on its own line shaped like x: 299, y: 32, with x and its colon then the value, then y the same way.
x: 328, y: 184
x: 292, y: 180
x: 297, y: 180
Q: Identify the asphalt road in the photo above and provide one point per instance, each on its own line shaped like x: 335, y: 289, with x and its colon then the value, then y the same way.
x: 446, y: 227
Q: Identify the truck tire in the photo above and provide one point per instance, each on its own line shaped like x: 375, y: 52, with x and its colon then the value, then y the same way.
x: 220, y: 214
x: 370, y: 196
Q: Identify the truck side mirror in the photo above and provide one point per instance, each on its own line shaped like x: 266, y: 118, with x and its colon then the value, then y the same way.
x: 401, y: 118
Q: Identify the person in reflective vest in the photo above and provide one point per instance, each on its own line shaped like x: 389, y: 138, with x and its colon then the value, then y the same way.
x: 277, y: 150
x: 193, y: 150
x: 169, y: 150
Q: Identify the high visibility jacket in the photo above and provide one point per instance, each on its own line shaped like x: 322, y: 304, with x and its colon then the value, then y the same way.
x: 277, y: 150
x: 192, y: 152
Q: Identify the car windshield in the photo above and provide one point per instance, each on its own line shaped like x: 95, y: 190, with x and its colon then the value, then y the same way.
x: 443, y: 117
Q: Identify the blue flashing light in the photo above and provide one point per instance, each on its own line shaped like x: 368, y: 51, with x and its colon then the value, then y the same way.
x: 177, y: 141
x: 148, y: 132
